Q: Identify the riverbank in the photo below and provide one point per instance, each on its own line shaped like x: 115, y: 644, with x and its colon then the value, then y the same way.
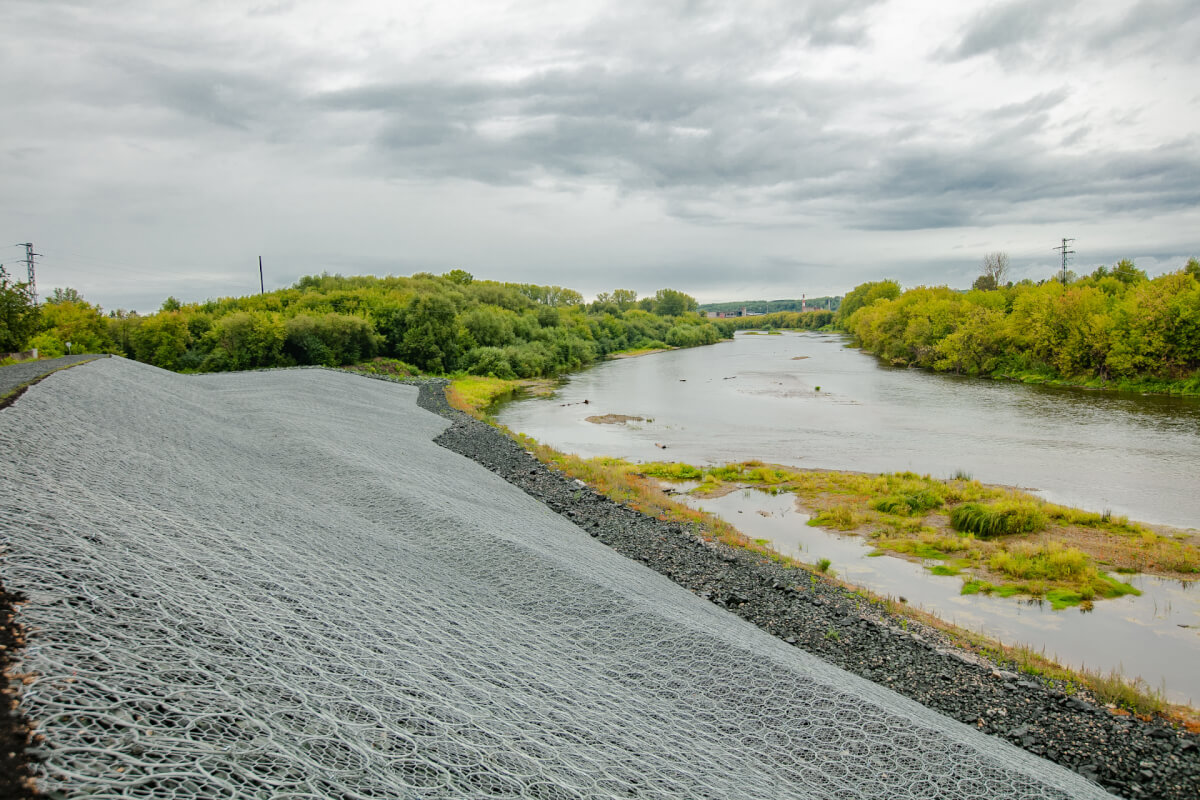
x: 638, y: 352
x: 1055, y: 719
x: 1189, y: 387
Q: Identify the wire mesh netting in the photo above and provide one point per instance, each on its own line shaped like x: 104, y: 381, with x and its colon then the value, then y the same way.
x: 276, y: 585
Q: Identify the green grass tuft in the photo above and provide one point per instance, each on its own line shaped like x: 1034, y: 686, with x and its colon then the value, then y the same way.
x: 998, y: 519
x: 907, y: 504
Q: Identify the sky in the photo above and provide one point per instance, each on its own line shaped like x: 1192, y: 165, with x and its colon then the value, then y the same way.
x: 736, y: 150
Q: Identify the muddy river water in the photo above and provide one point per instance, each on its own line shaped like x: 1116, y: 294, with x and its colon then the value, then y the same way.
x: 806, y: 400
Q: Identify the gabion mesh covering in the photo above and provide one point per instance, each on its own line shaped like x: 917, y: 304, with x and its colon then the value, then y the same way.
x: 275, y: 585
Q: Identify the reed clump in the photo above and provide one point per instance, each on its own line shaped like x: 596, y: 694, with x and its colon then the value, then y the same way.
x: 906, y: 505
x: 998, y: 519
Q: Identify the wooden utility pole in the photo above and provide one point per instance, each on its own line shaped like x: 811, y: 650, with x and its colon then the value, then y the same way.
x: 261, y: 287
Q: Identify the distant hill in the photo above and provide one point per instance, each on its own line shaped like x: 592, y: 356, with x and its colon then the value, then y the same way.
x: 767, y: 306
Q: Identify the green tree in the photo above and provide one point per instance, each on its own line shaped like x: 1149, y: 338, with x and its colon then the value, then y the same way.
x: 1127, y: 273
x: 121, y: 325
x: 75, y: 321
x: 459, y: 276
x: 330, y: 339
x: 1192, y: 268
x: 489, y: 327
x: 18, y: 314
x: 429, y: 339
x: 246, y: 340
x: 161, y: 340
x: 672, y: 303
x: 64, y: 295
x: 863, y: 295
x: 624, y: 298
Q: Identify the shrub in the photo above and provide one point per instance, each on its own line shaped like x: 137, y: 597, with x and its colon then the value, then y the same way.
x: 490, y: 361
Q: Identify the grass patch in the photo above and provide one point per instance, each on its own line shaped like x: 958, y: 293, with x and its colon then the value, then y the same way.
x: 998, y: 519
x: 475, y: 394
x: 1133, y: 695
x: 633, y: 352
x: 1045, y: 562
x: 1063, y: 598
x: 908, y: 504
x: 944, y: 569
x: 975, y: 586
x: 672, y: 472
x: 843, y: 518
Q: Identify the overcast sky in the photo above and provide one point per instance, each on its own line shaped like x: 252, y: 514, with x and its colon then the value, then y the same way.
x: 734, y: 150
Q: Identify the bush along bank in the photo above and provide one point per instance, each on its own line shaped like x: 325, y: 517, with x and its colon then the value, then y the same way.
x: 1113, y: 329
x: 1129, y: 755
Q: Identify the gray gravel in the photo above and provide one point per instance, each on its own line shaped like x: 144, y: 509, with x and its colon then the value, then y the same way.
x: 1129, y: 757
x: 15, y: 376
x: 277, y: 585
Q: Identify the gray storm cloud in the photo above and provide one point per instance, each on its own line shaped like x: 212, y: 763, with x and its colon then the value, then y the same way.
x: 174, y: 141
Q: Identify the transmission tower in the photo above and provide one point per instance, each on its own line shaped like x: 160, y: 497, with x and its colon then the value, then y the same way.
x: 1065, y: 252
x: 29, y: 256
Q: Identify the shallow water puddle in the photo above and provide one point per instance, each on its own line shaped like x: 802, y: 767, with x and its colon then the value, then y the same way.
x: 1155, y: 636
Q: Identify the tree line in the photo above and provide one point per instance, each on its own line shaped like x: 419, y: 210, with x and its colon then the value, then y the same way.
x: 1115, y: 326
x: 434, y: 323
x: 824, y: 303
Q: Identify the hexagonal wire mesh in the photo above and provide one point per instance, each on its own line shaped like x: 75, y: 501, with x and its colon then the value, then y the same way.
x: 276, y: 585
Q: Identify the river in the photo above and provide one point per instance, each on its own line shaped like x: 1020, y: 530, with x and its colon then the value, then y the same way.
x: 805, y: 399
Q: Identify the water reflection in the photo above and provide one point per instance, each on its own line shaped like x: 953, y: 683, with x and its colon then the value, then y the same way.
x: 1155, y: 636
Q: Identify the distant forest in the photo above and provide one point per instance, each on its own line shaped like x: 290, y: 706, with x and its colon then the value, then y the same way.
x: 768, y: 306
